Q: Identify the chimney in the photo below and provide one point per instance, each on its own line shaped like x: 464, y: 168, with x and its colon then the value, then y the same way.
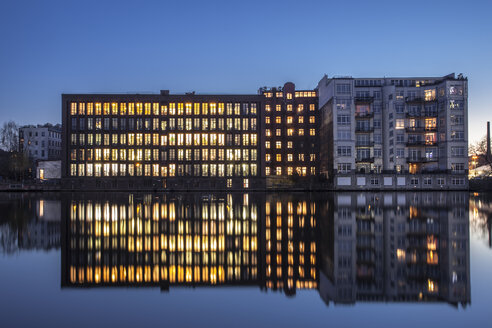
x: 488, y: 141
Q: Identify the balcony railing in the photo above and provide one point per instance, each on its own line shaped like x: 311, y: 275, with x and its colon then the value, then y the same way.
x: 420, y: 143
x: 364, y: 160
x: 415, y: 129
x: 364, y: 115
x: 364, y: 129
x: 419, y: 99
x: 363, y: 100
x: 364, y: 143
x: 422, y: 114
x: 421, y: 159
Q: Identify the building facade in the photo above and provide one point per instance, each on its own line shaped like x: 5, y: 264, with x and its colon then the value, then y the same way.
x: 348, y: 133
x: 41, y: 142
x: 394, y: 132
x: 162, y: 141
x: 290, y: 135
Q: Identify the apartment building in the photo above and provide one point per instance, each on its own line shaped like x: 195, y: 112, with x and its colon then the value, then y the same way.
x: 41, y: 142
x: 394, y: 132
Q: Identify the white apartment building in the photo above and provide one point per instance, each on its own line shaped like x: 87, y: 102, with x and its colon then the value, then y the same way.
x: 41, y: 142
x: 394, y: 132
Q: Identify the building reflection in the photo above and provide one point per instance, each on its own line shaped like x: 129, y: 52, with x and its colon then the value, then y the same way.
x: 350, y: 247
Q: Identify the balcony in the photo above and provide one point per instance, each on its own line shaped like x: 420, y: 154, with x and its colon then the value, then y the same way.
x: 363, y: 100
x: 422, y: 114
x: 364, y: 129
x: 419, y: 100
x: 364, y: 160
x: 419, y: 129
x: 364, y: 144
x: 421, y: 159
x: 415, y: 143
x: 421, y: 143
x: 362, y: 115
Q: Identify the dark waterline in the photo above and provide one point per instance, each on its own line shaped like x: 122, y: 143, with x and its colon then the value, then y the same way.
x: 258, y: 259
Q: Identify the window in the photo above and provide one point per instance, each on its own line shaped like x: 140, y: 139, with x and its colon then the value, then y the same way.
x: 344, y: 135
x: 399, y: 123
x: 343, y: 104
x: 343, y: 167
x: 343, y: 88
x: 343, y: 119
x: 344, y: 151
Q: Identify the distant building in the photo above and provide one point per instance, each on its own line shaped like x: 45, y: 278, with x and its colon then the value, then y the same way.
x: 41, y: 142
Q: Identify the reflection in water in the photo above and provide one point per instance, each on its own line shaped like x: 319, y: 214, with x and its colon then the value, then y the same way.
x: 392, y: 247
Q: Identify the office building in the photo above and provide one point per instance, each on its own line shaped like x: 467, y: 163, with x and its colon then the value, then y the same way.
x: 162, y: 141
x: 394, y: 132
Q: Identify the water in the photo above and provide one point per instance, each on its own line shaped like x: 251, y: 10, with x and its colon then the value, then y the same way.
x: 258, y: 259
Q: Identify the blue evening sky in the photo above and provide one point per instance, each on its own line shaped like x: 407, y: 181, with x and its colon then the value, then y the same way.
x: 53, y: 47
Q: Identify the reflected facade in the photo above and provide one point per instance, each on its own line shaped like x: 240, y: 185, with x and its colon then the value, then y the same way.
x: 350, y: 247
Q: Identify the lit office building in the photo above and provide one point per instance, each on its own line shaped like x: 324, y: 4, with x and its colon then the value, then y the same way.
x: 290, y: 133
x: 161, y: 141
x: 394, y: 132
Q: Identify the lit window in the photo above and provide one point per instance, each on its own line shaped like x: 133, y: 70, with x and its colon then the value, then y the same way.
x: 267, y: 157
x: 290, y: 132
x: 278, y: 119
x: 268, y: 133
x: 301, y: 132
x: 289, y: 157
x: 268, y: 108
x: 289, y: 96
x: 312, y: 132
x: 279, y: 157
x: 278, y: 144
x: 278, y: 170
x: 267, y: 171
x: 278, y: 132
x: 301, y: 119
x: 278, y: 108
x: 267, y: 144
x: 289, y: 144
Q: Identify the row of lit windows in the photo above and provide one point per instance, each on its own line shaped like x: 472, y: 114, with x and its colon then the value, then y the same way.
x: 290, y: 132
x: 131, y: 108
x: 156, y: 273
x: 289, y: 107
x: 300, y: 170
x: 278, y: 144
x: 188, y: 124
x: 204, y: 154
x: 290, y: 120
x: 290, y: 157
x: 156, y: 170
x: 172, y: 139
x: 297, y: 94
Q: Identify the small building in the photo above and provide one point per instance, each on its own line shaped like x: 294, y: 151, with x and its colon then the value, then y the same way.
x: 46, y: 170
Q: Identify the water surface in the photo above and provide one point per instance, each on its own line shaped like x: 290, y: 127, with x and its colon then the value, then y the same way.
x: 239, y: 259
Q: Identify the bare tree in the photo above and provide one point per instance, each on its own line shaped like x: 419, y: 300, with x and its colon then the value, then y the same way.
x: 479, y: 151
x: 9, y: 136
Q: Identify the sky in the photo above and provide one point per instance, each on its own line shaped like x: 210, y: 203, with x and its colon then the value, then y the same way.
x: 52, y: 47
